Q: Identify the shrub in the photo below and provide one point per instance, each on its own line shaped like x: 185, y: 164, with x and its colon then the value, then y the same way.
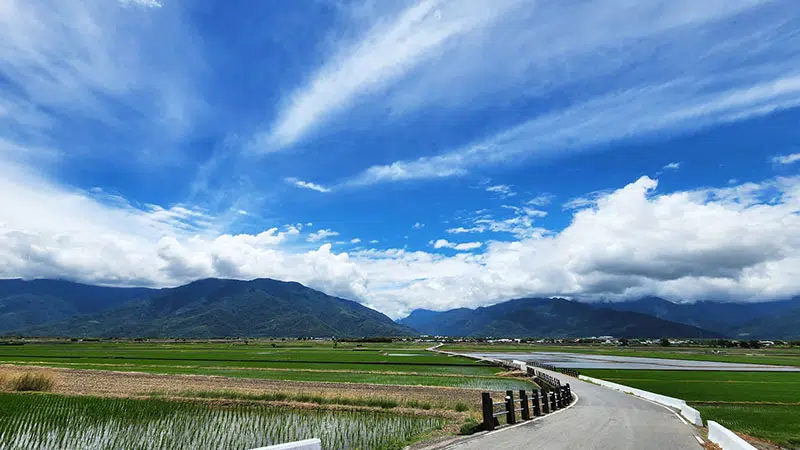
x: 32, y: 381
x: 461, y: 407
x: 469, y: 427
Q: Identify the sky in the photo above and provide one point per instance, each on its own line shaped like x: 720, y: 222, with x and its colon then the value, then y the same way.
x: 406, y: 154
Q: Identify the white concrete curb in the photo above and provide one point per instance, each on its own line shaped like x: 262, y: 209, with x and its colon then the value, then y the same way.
x: 308, y: 444
x: 726, y: 438
x: 691, y: 414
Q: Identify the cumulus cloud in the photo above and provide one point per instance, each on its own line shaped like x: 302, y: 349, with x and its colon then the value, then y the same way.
x: 321, y: 235
x: 418, y: 226
x: 464, y: 246
x: 672, y: 166
x: 787, y: 159
x: 355, y: 241
x: 735, y: 242
x: 307, y: 185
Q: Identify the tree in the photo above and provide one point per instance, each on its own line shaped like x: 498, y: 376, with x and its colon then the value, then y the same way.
x: 665, y: 342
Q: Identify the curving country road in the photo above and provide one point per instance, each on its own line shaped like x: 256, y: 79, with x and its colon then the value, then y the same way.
x: 601, y: 419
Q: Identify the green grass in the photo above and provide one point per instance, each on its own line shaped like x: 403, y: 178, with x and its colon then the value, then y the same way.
x: 779, y: 424
x: 73, y: 423
x: 404, y: 365
x: 261, y: 355
x: 762, y: 404
x: 709, y: 386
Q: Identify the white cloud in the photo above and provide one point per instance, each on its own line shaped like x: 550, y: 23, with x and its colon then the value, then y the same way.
x: 374, y: 241
x: 142, y: 3
x: 787, y: 159
x: 504, y: 191
x: 712, y: 69
x: 541, y: 200
x: 418, y: 226
x: 355, y: 241
x: 460, y: 230
x: 321, y: 235
x: 672, y: 166
x: 70, y: 64
x: 307, y: 185
x: 736, y: 242
x: 464, y: 246
x: 395, y: 43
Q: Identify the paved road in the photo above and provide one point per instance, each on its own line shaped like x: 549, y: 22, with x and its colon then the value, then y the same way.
x: 602, y: 419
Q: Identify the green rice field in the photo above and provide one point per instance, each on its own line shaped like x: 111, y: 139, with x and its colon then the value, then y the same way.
x: 394, y: 364
x: 51, y: 422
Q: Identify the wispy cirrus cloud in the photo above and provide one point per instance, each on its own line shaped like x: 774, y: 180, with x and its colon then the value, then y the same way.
x: 392, y: 45
x: 718, y: 62
x: 307, y: 185
x: 79, y: 75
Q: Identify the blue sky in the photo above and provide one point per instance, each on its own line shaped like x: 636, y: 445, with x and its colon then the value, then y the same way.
x: 412, y: 154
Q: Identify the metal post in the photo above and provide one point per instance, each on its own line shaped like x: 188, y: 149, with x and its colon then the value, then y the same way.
x: 526, y: 410
x: 488, y: 411
x: 537, y: 410
x: 511, y: 418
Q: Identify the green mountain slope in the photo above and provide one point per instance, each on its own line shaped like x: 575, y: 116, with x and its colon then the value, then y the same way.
x: 229, y: 308
x: 547, y: 317
x: 25, y: 304
x: 785, y: 325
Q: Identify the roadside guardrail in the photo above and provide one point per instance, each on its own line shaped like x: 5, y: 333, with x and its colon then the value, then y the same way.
x: 535, y: 404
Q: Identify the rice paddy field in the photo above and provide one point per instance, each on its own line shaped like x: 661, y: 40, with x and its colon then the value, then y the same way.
x: 765, y: 405
x: 239, y: 395
x: 48, y: 422
x: 395, y: 364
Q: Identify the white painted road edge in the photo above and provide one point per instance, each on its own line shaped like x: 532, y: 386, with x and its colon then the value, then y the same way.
x: 308, y: 444
x: 726, y: 438
x: 689, y: 413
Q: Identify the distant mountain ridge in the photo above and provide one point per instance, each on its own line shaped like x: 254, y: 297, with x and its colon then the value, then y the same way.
x: 547, y: 317
x: 227, y: 308
x: 25, y: 304
x: 746, y: 320
x: 265, y: 307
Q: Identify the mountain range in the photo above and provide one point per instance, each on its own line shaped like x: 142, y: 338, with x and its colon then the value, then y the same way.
x: 270, y: 308
x: 201, y: 309
x: 645, y: 317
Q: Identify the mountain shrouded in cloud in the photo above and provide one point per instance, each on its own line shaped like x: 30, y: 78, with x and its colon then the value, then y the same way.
x: 421, y: 154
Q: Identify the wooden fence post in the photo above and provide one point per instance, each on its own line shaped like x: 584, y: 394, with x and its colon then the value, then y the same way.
x: 526, y: 410
x: 553, y: 404
x: 488, y: 411
x: 559, y: 397
x: 510, y: 416
x: 545, y: 401
x: 537, y: 410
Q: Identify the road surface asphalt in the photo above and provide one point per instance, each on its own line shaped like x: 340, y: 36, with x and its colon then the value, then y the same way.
x: 601, y: 419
